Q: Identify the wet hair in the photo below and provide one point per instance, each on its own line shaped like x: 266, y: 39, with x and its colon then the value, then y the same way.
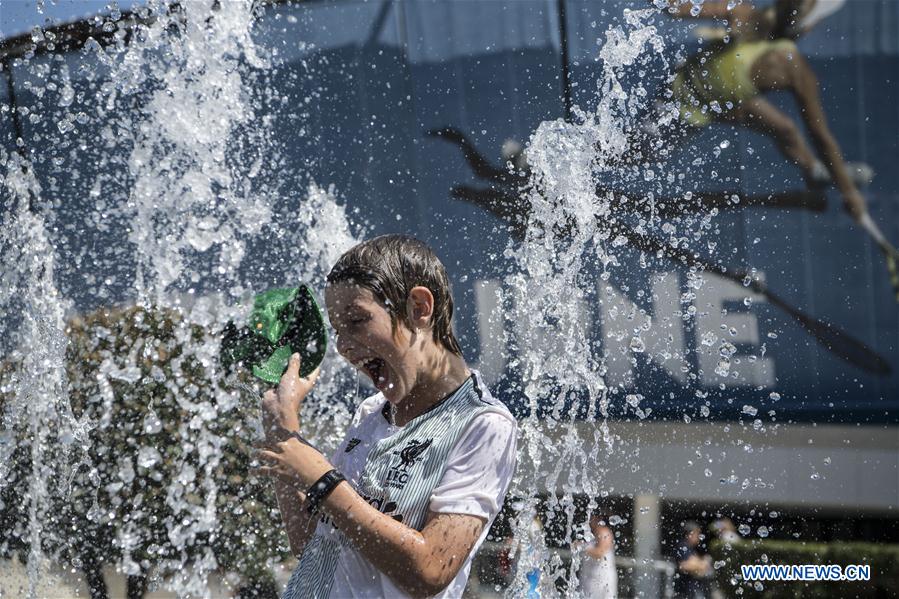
x: 390, y: 266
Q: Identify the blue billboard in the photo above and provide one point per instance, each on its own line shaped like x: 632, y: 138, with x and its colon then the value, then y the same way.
x: 361, y: 84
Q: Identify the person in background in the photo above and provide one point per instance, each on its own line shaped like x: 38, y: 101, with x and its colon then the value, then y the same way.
x: 597, y: 577
x: 693, y: 568
x: 505, y: 562
x: 724, y: 529
x: 532, y: 559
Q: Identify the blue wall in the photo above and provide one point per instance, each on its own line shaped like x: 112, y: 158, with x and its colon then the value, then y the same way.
x: 380, y: 74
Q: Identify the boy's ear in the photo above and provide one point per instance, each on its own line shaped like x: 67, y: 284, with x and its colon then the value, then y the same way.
x: 420, y: 306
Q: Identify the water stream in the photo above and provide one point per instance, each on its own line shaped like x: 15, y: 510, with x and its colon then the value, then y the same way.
x: 187, y: 206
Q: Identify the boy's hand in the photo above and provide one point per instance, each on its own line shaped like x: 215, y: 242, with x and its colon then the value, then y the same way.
x: 281, y: 406
x: 292, y: 460
x: 277, y: 472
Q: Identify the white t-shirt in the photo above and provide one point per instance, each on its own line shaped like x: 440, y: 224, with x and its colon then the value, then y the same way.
x: 479, y: 470
x: 598, y: 578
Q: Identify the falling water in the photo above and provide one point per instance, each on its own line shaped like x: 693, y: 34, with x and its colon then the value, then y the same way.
x: 187, y: 178
x: 572, y: 246
x: 580, y: 237
x: 191, y: 186
x: 39, y: 411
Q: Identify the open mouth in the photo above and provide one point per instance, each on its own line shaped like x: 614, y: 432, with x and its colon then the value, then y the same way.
x: 376, y: 368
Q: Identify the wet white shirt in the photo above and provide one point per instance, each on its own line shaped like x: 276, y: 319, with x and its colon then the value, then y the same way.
x: 479, y: 470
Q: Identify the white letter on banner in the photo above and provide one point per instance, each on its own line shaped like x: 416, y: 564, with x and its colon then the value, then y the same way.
x: 716, y: 326
x: 628, y: 330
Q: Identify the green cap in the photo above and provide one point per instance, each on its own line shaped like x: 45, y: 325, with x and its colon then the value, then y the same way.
x: 283, y: 321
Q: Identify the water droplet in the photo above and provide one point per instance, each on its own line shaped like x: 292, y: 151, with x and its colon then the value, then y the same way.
x: 727, y: 349
x: 66, y: 95
x: 147, y: 457
x: 723, y: 367
x: 94, y: 514
x: 152, y: 423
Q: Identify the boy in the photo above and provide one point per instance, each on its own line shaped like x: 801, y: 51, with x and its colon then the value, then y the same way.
x: 426, y: 461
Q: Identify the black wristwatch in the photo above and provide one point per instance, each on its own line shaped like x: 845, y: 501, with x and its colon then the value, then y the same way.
x: 320, y: 490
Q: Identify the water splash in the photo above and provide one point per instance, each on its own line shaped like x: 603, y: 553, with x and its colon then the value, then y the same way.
x: 194, y: 152
x: 569, y: 234
x: 189, y: 170
x: 196, y: 149
x: 38, y: 407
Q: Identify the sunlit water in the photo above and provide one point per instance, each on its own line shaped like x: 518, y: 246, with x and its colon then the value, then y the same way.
x: 39, y: 409
x: 579, y: 237
x: 181, y: 115
x: 568, y: 236
x: 182, y: 133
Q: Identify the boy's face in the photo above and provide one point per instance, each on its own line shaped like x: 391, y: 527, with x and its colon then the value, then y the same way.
x: 365, y: 338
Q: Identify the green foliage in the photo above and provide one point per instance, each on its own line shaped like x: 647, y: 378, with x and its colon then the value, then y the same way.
x: 883, y: 559
x: 164, y: 476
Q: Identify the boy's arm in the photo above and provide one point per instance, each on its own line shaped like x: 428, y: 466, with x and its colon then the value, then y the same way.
x: 478, y: 473
x: 298, y: 524
x: 420, y: 563
x: 279, y: 419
